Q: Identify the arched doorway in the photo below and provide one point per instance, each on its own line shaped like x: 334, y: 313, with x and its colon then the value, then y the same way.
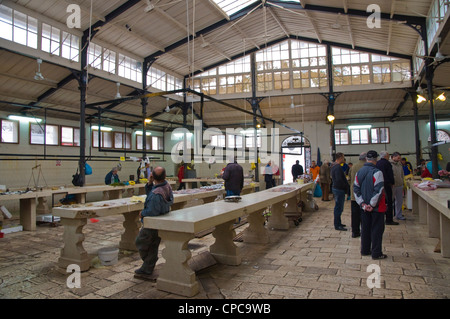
x: 294, y: 148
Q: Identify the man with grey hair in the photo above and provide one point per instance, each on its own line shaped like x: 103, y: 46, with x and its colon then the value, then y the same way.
x: 388, y: 175
x: 112, y: 177
x: 355, y: 209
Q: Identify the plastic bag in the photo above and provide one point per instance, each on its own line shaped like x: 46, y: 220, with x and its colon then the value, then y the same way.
x: 318, y: 191
x: 87, y: 169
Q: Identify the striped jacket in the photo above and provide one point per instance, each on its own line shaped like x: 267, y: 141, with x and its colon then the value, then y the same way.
x: 369, y: 188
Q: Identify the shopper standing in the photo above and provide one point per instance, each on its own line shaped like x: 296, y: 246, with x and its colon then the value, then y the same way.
x: 340, y: 188
x: 397, y: 193
x: 388, y: 175
x: 325, y: 179
x: 370, y: 195
x: 233, y: 176
x: 356, y: 209
x: 297, y: 170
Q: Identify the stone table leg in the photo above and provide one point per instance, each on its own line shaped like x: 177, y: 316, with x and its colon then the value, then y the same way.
x: 415, y: 203
x: 115, y: 194
x: 277, y: 219
x: 131, y: 225
x: 42, y: 206
x: 445, y: 236
x: 175, y: 275
x: 224, y: 250
x: 256, y: 233
x: 28, y: 213
x: 80, y: 198
x: 433, y: 222
x: 422, y: 210
x: 73, y: 251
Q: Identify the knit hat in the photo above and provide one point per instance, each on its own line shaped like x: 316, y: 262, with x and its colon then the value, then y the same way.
x: 372, y: 155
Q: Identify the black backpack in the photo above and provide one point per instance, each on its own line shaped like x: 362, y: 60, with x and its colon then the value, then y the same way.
x: 77, y: 180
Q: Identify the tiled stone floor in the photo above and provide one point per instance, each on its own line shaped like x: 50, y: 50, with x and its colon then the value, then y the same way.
x: 310, y: 261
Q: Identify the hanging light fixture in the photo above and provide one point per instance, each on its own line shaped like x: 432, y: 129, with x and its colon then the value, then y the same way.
x: 420, y: 98
x: 118, y: 96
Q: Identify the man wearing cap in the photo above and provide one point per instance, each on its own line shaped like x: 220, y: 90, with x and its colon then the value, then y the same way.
x: 370, y: 196
x: 355, y: 209
x: 388, y: 175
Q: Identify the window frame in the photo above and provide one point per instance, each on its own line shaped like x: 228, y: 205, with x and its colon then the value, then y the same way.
x: 17, y: 127
x: 74, y: 143
x: 341, y: 131
x: 44, y: 127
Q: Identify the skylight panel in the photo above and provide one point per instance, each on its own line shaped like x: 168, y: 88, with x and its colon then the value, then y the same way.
x: 233, y: 6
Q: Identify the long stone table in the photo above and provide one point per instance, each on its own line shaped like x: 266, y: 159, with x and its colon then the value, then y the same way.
x: 75, y: 217
x: 35, y: 202
x: 431, y: 206
x: 177, y: 228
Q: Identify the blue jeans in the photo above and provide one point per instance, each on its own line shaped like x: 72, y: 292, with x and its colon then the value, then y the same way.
x: 339, y: 198
x: 231, y: 193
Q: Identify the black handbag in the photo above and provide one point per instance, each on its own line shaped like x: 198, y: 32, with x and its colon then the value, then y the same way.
x: 77, y: 180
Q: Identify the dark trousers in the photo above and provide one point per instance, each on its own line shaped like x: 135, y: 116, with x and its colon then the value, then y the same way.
x: 147, y: 243
x: 372, y: 229
x: 389, y: 203
x: 356, y: 218
x: 339, y: 199
x: 182, y: 186
x: 325, y: 191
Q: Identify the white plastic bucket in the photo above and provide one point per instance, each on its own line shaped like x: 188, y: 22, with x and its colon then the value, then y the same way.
x: 108, y: 256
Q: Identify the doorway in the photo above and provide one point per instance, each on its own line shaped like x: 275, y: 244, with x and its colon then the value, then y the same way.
x: 294, y: 148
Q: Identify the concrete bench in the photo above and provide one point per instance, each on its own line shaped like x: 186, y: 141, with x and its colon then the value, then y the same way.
x: 177, y: 228
x: 431, y: 206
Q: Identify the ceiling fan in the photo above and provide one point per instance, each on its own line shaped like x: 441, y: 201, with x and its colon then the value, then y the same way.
x: 38, y: 75
x: 293, y: 105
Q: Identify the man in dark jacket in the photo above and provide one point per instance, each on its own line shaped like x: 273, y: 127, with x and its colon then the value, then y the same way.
x: 297, y: 170
x: 388, y: 175
x: 233, y: 176
x: 369, y: 194
x: 158, y: 201
x: 340, y: 188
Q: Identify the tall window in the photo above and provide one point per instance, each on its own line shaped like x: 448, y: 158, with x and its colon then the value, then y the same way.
x: 95, y: 55
x: 9, y: 131
x: 309, y: 64
x: 18, y: 27
x: 270, y: 64
x: 109, y: 61
x: 129, y: 68
x: 50, y: 39
x: 156, y: 78
x: 70, y: 46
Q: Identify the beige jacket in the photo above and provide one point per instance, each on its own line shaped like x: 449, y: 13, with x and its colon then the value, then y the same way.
x: 324, y: 174
x: 352, y: 173
x: 399, y: 175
